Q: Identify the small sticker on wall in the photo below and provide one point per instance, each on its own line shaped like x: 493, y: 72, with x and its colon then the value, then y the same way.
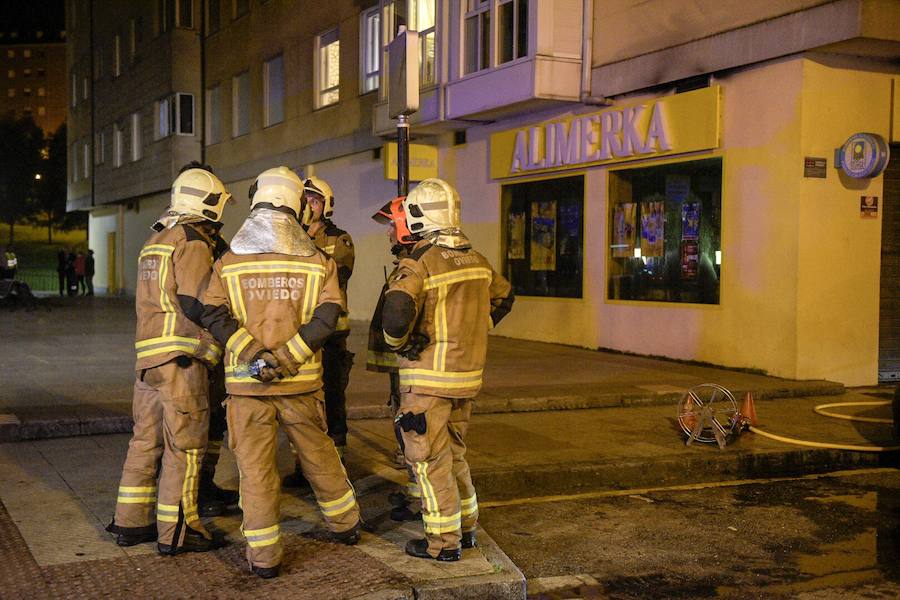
x: 868, y: 207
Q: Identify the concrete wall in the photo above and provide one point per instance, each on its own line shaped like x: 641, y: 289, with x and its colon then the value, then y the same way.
x: 100, y: 223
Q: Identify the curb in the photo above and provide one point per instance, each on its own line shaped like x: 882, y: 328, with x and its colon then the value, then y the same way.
x: 67, y: 421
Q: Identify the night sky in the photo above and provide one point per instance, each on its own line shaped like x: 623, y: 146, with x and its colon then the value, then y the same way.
x: 31, y: 15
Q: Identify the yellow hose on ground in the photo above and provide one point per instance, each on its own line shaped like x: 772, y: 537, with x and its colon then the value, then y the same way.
x: 820, y: 410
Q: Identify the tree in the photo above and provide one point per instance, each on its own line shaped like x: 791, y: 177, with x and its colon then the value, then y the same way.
x: 51, y: 188
x: 21, y: 143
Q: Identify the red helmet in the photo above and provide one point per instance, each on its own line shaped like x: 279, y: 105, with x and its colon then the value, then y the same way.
x: 393, y: 212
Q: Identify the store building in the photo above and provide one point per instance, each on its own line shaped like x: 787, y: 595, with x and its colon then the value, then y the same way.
x: 648, y: 187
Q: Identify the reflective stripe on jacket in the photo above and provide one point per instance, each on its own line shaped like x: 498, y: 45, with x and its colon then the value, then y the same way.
x: 337, y: 243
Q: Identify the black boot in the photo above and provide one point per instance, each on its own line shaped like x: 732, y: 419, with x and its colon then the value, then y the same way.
x: 266, y: 572
x: 213, y: 501
x: 419, y: 549
x: 194, y: 541
x: 349, y: 537
x: 296, y: 479
x: 131, y: 536
x: 401, y: 511
x: 468, y: 539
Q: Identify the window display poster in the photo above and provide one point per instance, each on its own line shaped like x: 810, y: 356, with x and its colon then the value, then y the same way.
x: 515, y: 248
x: 652, y: 219
x: 690, y: 259
x: 623, y: 230
x: 543, y: 236
x: 690, y: 221
x: 677, y: 187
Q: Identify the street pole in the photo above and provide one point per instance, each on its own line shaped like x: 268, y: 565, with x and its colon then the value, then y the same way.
x: 402, y: 155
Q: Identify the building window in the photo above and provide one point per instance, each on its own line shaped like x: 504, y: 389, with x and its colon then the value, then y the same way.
x: 100, y: 147
x: 10, y: 74
x: 136, y: 147
x: 477, y: 32
x: 240, y: 8
x: 26, y: 92
x: 214, y: 115
x: 174, y: 114
x: 74, y: 88
x: 117, y: 55
x: 328, y: 66
x: 10, y: 54
x: 273, y: 91
x: 85, y: 88
x: 185, y: 14
x: 41, y: 72
x: 370, y: 49
x: 42, y: 92
x: 98, y: 62
x: 118, y: 145
x: 240, y: 103
x: 73, y: 152
x: 26, y: 53
x: 11, y: 92
x: 26, y: 72
x: 543, y: 229
x: 134, y: 33
x: 161, y: 119
x: 213, y: 16
x: 184, y: 104
x: 665, y: 228
x: 164, y: 15
x: 512, y: 30
x: 42, y: 111
x: 86, y: 158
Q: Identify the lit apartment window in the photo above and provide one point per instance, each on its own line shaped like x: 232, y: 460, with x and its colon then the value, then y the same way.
x: 328, y: 66
x: 10, y: 74
x: 239, y: 8
x: 42, y: 92
x: 477, y: 33
x: 42, y: 111
x: 136, y: 147
x: 86, y: 158
x: 240, y: 102
x: 185, y: 14
x: 118, y: 145
x: 174, y: 114
x: 11, y: 92
x: 273, y: 91
x: 213, y: 16
x: 26, y: 53
x: 26, y: 92
x: 117, y: 55
x: 26, y: 72
x: 370, y: 49
x: 100, y: 147
x: 214, y: 115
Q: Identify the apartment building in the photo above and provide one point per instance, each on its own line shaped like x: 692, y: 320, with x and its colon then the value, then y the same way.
x: 654, y: 177
x: 32, y: 68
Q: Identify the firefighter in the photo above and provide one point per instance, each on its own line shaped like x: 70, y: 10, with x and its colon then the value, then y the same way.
x: 438, y: 308
x: 336, y: 360
x: 171, y: 402
x: 273, y: 300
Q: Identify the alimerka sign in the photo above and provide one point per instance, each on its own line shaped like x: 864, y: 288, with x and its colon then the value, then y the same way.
x: 669, y: 125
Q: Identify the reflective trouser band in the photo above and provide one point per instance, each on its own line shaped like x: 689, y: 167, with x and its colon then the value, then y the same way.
x: 335, y: 508
x: 214, y: 447
x: 308, y: 372
x: 167, y: 513
x: 468, y: 506
x: 190, y: 485
x: 441, y: 379
x: 395, y: 342
x: 429, y: 498
x: 299, y: 349
x: 136, y: 495
x: 436, y: 524
x: 382, y: 359
x: 343, y: 323
x: 257, y: 538
x: 239, y: 340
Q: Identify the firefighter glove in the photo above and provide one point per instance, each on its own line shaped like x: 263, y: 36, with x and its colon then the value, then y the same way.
x: 272, y: 370
x: 414, y: 347
x: 412, y: 422
x: 288, y: 363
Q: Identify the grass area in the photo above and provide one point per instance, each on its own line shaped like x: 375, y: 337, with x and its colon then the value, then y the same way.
x: 32, y: 249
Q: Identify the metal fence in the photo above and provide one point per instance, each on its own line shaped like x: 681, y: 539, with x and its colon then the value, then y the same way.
x: 39, y: 280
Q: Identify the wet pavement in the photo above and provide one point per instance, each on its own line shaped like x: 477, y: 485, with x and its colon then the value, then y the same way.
x: 814, y: 537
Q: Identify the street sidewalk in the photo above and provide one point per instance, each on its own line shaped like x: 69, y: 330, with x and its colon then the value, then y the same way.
x: 67, y: 369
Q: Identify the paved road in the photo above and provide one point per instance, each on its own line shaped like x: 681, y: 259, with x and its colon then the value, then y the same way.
x: 815, y: 537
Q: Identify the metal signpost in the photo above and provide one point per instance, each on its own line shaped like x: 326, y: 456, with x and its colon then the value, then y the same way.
x: 403, y: 96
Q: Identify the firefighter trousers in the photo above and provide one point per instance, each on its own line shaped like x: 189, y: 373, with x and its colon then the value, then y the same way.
x: 336, y: 365
x: 252, y: 436
x: 438, y: 467
x: 171, y: 418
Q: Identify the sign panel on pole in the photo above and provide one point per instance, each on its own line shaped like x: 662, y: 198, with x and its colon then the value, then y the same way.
x: 403, y: 74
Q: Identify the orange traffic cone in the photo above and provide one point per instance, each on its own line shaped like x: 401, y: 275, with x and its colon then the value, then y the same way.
x: 748, y: 409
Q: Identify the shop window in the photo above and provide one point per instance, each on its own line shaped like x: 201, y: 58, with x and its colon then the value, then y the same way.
x: 328, y: 66
x: 665, y: 232
x: 543, y: 237
x: 370, y: 49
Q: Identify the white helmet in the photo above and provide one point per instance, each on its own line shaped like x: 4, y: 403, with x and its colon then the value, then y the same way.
x: 432, y: 205
x: 279, y: 187
x: 199, y: 193
x: 319, y: 186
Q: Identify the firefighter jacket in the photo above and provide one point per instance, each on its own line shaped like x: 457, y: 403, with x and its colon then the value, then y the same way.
x: 174, y: 268
x: 272, y: 301
x: 381, y: 358
x: 441, y: 302
x: 337, y: 243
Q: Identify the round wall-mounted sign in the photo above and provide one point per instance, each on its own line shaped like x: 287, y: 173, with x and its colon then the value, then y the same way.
x: 864, y: 155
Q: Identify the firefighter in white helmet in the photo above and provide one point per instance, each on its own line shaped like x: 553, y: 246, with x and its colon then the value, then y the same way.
x: 438, y: 308
x: 171, y: 404
x: 336, y: 359
x: 272, y: 301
